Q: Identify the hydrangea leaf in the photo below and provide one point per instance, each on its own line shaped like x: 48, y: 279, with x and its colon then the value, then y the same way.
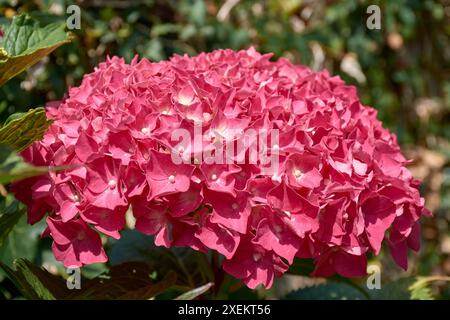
x: 233, y: 289
x: 194, y: 293
x: 126, y: 281
x: 12, y: 166
x: 22, y: 240
x: 22, y: 129
x: 328, y: 291
x: 25, y: 43
x: 396, y: 290
x: 409, y: 288
x: 134, y: 246
x: 131, y: 280
x: 10, y: 213
x: 420, y: 290
x: 151, y: 290
x: 301, y: 267
x: 32, y: 281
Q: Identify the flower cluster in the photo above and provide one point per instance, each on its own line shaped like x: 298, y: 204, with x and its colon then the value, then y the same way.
x: 340, y: 188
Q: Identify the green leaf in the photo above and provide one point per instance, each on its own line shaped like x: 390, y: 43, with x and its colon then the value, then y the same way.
x: 151, y: 290
x: 10, y: 213
x: 22, y: 129
x: 301, y: 267
x: 126, y: 281
x: 22, y: 241
x: 25, y: 43
x: 420, y: 290
x: 32, y: 281
x: 13, y: 167
x: 194, y: 293
x: 19, y: 131
x: 328, y: 291
x: 131, y: 280
x: 409, y: 288
x: 235, y: 289
x: 394, y: 290
x: 134, y: 246
x: 17, y: 237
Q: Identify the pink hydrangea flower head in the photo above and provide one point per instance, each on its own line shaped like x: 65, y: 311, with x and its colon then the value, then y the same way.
x: 339, y: 191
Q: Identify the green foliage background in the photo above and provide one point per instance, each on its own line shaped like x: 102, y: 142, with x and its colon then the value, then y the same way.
x: 402, y: 70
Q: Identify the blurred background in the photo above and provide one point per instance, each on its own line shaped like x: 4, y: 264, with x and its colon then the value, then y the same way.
x: 402, y: 70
